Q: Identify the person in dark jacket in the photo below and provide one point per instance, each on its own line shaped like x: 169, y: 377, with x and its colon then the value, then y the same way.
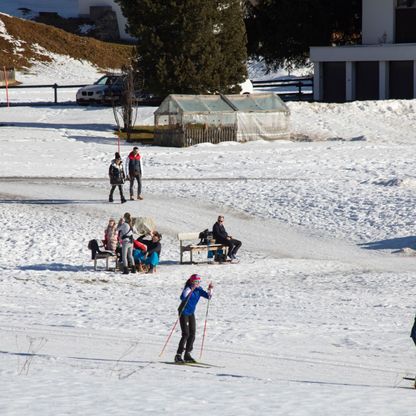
x: 189, y: 299
x: 134, y: 171
x: 413, y: 332
x: 221, y: 237
x: 117, y: 176
x: 149, y: 257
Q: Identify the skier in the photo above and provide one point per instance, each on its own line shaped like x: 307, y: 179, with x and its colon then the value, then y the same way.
x: 189, y: 297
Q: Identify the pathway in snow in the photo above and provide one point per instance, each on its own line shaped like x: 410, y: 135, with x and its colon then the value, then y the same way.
x: 265, y: 237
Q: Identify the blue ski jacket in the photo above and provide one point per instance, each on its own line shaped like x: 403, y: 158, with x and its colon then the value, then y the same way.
x: 189, y: 305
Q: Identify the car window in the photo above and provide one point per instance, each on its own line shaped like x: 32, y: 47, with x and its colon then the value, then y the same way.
x: 102, y: 81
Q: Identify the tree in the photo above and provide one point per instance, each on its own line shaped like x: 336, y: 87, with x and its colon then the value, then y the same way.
x: 188, y: 46
x: 281, y: 31
x: 125, y: 105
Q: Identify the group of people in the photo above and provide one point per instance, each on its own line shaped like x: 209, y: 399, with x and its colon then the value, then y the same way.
x: 192, y: 292
x: 132, y: 171
x: 143, y: 253
x: 136, y: 254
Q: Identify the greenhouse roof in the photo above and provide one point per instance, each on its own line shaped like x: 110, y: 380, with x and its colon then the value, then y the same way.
x: 257, y: 102
x: 267, y: 102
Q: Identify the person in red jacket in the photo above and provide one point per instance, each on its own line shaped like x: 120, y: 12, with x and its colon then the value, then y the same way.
x: 134, y: 171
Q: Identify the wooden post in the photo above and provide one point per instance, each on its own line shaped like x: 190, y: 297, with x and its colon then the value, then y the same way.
x: 55, y: 87
x: 7, y: 86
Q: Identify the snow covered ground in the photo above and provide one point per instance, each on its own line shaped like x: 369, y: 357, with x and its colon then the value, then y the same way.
x: 314, y: 320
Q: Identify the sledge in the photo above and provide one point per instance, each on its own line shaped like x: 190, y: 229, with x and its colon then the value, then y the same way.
x: 411, y: 379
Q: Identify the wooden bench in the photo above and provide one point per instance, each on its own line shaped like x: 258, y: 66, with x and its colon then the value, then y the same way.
x: 105, y: 256
x: 99, y: 253
x: 194, y: 247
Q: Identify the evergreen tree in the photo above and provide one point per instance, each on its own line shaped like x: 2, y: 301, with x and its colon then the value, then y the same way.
x: 232, y: 37
x: 282, y: 31
x: 187, y: 46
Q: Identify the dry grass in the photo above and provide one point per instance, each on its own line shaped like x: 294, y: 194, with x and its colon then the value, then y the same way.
x: 139, y: 133
x: 29, y: 34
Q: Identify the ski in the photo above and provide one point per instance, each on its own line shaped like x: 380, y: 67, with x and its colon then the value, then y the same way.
x: 198, y: 365
x: 210, y: 365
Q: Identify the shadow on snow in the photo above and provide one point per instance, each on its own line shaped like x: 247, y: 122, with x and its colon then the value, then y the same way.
x: 391, y: 244
x: 51, y: 201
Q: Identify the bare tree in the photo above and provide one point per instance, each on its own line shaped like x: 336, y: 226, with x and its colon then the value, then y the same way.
x: 125, y: 105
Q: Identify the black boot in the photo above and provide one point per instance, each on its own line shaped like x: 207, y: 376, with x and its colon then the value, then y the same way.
x: 125, y: 270
x: 123, y: 200
x: 179, y: 359
x: 110, y: 198
x: 133, y: 269
x: 188, y: 358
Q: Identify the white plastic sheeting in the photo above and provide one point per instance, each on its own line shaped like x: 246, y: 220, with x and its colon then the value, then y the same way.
x: 256, y: 116
x: 266, y: 126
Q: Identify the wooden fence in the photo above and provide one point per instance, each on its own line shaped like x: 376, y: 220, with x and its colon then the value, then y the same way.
x: 55, y: 88
x: 189, y: 135
x: 298, y: 89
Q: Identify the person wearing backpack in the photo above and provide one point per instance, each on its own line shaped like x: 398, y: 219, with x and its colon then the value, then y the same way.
x: 117, y: 177
x: 126, y: 231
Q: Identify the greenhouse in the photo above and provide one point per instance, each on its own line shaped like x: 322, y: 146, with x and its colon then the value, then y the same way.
x: 186, y: 120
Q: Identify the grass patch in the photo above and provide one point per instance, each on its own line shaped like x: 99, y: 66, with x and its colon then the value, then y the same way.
x: 22, y: 49
x: 138, y: 133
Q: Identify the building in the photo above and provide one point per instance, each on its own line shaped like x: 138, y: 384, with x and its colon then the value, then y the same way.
x: 382, y: 67
x: 91, y: 8
x: 186, y: 120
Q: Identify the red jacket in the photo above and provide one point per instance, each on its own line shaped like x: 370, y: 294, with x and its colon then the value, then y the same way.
x: 140, y: 246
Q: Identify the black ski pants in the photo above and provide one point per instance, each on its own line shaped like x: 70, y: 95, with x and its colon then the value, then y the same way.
x: 188, y: 327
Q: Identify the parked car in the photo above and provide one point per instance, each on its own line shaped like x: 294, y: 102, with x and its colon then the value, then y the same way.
x: 108, y: 90
x: 101, y: 91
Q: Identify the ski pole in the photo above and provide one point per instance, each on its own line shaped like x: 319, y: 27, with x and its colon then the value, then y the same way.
x: 176, y: 323
x: 205, y: 329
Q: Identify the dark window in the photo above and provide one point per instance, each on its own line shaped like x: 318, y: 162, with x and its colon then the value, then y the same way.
x: 401, y: 79
x: 406, y: 3
x: 334, y: 82
x: 405, y: 25
x: 366, y: 80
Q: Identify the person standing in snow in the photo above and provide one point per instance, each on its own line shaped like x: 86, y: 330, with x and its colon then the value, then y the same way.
x: 221, y: 237
x: 111, y: 236
x: 126, y: 230
x: 189, y: 297
x: 117, y: 176
x: 134, y: 170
